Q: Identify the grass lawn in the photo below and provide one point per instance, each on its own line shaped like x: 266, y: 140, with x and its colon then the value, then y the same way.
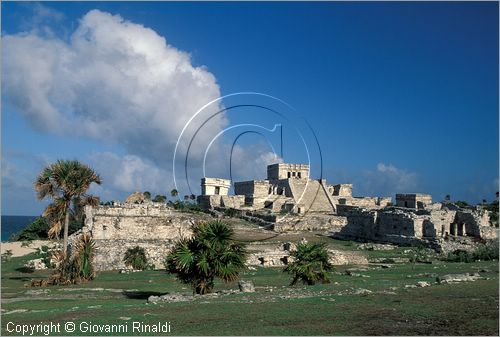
x: 469, y: 308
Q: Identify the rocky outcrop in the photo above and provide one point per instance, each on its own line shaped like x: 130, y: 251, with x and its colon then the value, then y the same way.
x: 453, y: 278
x: 246, y: 286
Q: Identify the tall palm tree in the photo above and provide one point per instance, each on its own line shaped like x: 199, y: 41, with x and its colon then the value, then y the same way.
x: 65, y: 182
x: 211, y: 252
x: 174, y: 193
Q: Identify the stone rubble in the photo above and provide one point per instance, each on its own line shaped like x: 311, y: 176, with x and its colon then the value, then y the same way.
x: 452, y: 278
x: 246, y: 286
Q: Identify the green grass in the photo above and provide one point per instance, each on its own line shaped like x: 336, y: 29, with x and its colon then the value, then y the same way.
x: 275, y: 308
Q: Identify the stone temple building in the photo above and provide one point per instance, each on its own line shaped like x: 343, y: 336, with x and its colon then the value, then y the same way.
x: 288, y: 188
x: 288, y: 200
x: 301, y: 203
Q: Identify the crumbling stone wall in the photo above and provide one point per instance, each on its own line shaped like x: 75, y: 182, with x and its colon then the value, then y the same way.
x: 152, y: 226
x: 310, y: 222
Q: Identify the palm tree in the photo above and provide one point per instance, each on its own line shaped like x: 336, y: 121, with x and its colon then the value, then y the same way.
x: 66, y: 182
x: 192, y: 197
x: 211, y: 252
x: 310, y: 264
x: 174, y: 193
x: 160, y: 198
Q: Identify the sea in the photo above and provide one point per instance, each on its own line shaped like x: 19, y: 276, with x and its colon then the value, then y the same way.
x: 12, y: 224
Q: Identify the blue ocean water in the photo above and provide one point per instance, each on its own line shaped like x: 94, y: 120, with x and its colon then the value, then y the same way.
x: 14, y: 223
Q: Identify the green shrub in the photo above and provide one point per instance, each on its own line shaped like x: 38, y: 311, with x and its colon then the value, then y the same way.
x: 46, y: 256
x: 459, y: 255
x: 186, y: 206
x: 310, y: 264
x: 231, y: 212
x: 421, y: 255
x: 7, y: 255
x: 285, y: 211
x: 160, y: 198
x: 73, y: 268
x: 485, y: 252
x: 210, y: 253
x: 136, y: 258
x: 38, y: 229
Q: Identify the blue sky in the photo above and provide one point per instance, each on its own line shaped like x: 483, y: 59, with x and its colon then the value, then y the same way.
x: 403, y: 97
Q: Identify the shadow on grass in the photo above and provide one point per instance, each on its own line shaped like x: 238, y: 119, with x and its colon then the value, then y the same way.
x: 141, y: 295
x: 25, y: 270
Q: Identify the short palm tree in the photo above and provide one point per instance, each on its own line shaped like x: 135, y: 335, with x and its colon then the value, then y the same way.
x: 136, y: 258
x: 211, y: 252
x: 66, y: 182
x: 76, y: 267
x: 310, y: 264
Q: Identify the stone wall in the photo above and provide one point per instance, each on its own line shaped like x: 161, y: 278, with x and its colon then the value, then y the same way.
x: 258, y: 188
x: 403, y: 225
x: 154, y: 227
x: 232, y: 201
x: 285, y: 171
x: 413, y: 200
x: 342, y: 190
x: 310, y: 222
x: 215, y: 186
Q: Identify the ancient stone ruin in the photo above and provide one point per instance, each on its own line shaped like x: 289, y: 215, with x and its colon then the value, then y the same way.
x: 152, y: 226
x: 287, y: 201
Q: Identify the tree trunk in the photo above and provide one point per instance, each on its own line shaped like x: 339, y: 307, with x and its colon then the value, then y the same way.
x: 66, y: 227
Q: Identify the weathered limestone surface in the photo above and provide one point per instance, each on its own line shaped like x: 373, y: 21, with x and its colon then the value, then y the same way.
x: 402, y: 225
x: 278, y: 256
x: 413, y: 200
x: 215, y: 186
x: 152, y: 226
x: 310, y: 222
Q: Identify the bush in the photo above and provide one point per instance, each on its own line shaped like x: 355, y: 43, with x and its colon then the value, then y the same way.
x: 38, y: 229
x: 231, y: 212
x: 72, y: 269
x: 421, y: 255
x: 136, y: 258
x: 459, y: 255
x: 160, y: 198
x: 6, y: 256
x: 211, y: 252
x: 310, y: 264
x: 46, y: 256
x: 485, y: 252
x: 186, y: 206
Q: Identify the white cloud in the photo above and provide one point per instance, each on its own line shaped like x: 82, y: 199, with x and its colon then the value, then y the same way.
x: 121, y: 83
x: 114, y: 80
x: 130, y: 173
x: 386, y: 180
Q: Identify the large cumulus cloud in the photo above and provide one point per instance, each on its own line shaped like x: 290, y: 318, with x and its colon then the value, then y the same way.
x: 113, y: 80
x: 123, y: 84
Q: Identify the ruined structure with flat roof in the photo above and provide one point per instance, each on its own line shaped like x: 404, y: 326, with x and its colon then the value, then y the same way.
x: 289, y: 188
x: 288, y: 200
x: 301, y: 203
